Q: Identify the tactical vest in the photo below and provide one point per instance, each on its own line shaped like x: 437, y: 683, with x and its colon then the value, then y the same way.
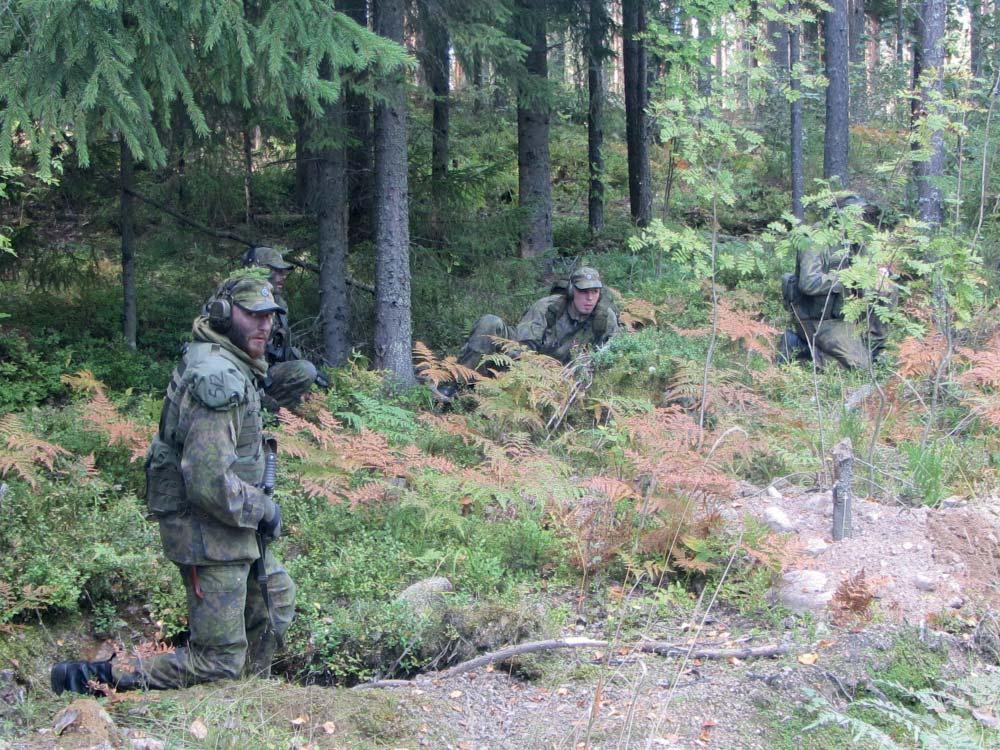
x: 598, y: 319
x: 826, y: 306
x: 205, y: 379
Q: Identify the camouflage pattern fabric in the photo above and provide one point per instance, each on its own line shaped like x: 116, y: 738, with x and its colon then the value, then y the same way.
x: 289, y: 375
x: 819, y: 317
x: 287, y: 382
x: 550, y: 326
x: 231, y: 633
x: 479, y: 343
x: 202, y: 470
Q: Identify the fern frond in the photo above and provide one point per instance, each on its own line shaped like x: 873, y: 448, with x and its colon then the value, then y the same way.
x: 435, y: 371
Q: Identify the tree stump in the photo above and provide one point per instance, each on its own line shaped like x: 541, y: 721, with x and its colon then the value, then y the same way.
x: 843, y: 478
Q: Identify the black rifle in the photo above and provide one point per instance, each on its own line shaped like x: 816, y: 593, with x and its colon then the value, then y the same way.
x: 258, y: 568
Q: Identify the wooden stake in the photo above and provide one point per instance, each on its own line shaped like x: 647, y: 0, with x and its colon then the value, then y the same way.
x: 843, y: 478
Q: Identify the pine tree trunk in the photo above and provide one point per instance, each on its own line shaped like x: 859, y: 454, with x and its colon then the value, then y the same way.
x: 305, y: 164
x: 856, y: 31
x: 248, y: 175
x: 534, y: 187
x: 330, y: 202
x: 835, y: 141
x: 795, y: 145
x: 900, y: 33
x: 596, y: 40
x: 640, y: 188
x: 393, y: 324
x: 929, y: 199
x: 976, y: 18
x: 360, y: 171
x: 437, y: 69
x: 130, y: 318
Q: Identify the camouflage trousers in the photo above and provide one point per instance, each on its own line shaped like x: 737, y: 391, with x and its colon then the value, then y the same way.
x: 231, y: 633
x: 287, y: 381
x: 480, y: 343
x: 844, y: 341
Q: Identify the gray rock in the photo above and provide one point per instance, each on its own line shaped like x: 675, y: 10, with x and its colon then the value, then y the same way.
x: 147, y: 743
x: 816, y: 546
x: 924, y: 582
x: 773, y: 493
x: 427, y: 595
x: 955, y: 501
x: 803, y: 590
x: 819, y: 502
x: 777, y: 520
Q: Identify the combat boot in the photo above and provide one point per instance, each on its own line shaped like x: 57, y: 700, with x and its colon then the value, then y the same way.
x: 75, y: 676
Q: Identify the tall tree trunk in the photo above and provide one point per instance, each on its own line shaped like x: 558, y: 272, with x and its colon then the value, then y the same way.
x: 777, y: 35
x: 976, y: 18
x: 436, y: 62
x: 856, y: 32
x: 596, y: 53
x: 331, y: 209
x: 478, y: 79
x: 130, y: 317
x: 534, y: 187
x: 640, y: 189
x: 835, y: 141
x: 360, y: 171
x: 795, y: 145
x: 248, y: 200
x: 393, y: 324
x: 900, y: 32
x: 929, y: 200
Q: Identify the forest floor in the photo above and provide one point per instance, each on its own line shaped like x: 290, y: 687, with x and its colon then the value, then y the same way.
x: 926, y: 567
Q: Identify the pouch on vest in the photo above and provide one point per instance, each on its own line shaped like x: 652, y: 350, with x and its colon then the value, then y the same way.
x: 165, y: 494
x: 790, y: 290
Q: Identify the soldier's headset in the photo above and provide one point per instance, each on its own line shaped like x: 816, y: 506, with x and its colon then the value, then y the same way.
x: 250, y: 257
x: 220, y: 312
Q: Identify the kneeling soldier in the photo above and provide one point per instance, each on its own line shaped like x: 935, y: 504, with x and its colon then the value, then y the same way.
x: 205, y: 473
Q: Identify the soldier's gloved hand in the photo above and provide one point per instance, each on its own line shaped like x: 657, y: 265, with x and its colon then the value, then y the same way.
x: 270, y: 527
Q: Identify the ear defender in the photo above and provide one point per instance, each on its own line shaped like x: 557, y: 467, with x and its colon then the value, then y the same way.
x: 220, y: 312
x: 220, y: 315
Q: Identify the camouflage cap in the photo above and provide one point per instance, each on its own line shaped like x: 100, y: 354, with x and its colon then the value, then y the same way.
x: 586, y: 278
x: 268, y: 256
x: 253, y: 295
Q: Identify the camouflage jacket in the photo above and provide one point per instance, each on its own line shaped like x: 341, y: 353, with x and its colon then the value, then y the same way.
x: 207, y: 457
x: 279, y: 347
x: 820, y: 293
x: 550, y: 326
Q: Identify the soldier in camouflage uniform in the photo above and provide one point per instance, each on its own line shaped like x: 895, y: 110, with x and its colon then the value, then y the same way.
x: 289, y: 375
x: 558, y: 325
x: 816, y: 297
x: 204, y: 471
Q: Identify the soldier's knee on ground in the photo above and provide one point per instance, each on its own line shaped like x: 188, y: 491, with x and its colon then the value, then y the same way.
x: 288, y: 381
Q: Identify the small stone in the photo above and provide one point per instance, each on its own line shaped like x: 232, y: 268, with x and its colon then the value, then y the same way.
x: 816, y: 547
x: 802, y: 590
x: 147, y: 743
x: 773, y: 493
x: 955, y: 501
x: 777, y: 520
x: 957, y: 603
x: 873, y: 516
x: 924, y: 583
x: 907, y: 546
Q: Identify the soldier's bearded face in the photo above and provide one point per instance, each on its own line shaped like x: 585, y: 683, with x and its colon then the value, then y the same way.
x: 585, y: 300
x: 251, y: 330
x: 277, y: 279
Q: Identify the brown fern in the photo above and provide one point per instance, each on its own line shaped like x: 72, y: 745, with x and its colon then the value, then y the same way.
x: 104, y: 417
x: 920, y: 357
x: 745, y: 329
x: 638, y: 313
x: 435, y: 371
x: 20, y: 451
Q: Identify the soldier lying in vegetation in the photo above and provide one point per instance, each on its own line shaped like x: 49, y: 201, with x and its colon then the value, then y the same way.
x: 558, y: 325
x: 204, y: 473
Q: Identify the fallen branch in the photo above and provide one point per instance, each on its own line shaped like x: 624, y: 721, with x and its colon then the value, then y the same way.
x: 674, y: 649
x: 662, y: 648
